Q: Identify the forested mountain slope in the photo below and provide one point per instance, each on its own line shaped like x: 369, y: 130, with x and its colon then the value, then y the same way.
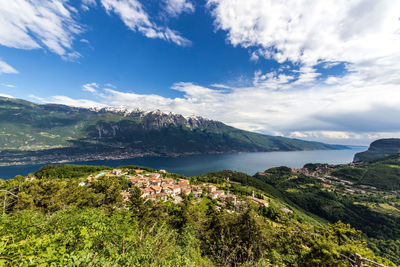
x: 33, y: 133
x: 379, y: 149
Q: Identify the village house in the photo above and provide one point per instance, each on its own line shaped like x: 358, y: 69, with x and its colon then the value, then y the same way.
x: 260, y: 202
x: 166, y: 189
x: 176, y: 189
x: 117, y: 172
x: 169, y: 181
x: 154, y: 175
x: 183, y: 182
x: 134, y: 180
x: 186, y: 190
x: 216, y: 194
x: 156, y: 182
x: 146, y: 192
x: 211, y: 188
x: 177, y: 199
x: 156, y: 189
x: 125, y: 195
x: 197, y: 191
x: 143, y: 183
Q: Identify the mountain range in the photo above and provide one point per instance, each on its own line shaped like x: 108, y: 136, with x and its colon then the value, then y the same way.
x: 41, y: 133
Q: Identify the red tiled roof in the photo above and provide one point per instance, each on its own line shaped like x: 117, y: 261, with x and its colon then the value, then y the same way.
x: 147, y: 190
x: 260, y: 201
x: 174, y: 186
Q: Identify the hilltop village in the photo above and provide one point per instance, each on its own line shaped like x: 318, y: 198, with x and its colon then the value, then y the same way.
x: 157, y: 186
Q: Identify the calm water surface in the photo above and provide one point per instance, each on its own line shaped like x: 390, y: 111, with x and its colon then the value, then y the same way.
x: 249, y: 163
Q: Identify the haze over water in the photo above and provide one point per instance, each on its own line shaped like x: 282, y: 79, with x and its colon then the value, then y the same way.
x: 249, y: 163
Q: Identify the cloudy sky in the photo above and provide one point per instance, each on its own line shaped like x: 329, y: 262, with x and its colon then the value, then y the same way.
x: 317, y: 70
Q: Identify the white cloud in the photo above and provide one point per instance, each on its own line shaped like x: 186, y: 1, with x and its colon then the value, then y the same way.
x: 84, y: 41
x: 5, y: 95
x: 176, y: 7
x: 342, y: 137
x: 307, y: 31
x: 53, y: 25
x: 90, y: 87
x: 8, y: 85
x: 87, y: 4
x: 136, y: 18
x: 41, y: 99
x: 65, y: 100
x: 363, y: 34
x: 39, y: 24
x: 350, y: 111
x: 218, y: 85
x: 110, y: 85
x: 5, y: 68
x: 360, y: 104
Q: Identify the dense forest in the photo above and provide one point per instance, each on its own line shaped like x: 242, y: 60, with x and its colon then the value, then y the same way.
x: 51, y: 218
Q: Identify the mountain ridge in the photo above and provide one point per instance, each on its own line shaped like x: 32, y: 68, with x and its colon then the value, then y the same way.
x: 42, y: 133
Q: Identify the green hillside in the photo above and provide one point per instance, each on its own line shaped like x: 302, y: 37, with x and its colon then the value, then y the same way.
x: 366, y: 196
x: 70, y: 215
x: 379, y: 149
x: 383, y: 173
x: 32, y: 133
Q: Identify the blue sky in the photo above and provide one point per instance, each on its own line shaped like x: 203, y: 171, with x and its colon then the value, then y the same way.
x: 316, y: 70
x: 127, y: 59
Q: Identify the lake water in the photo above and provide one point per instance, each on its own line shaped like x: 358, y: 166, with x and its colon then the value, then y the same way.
x: 249, y: 163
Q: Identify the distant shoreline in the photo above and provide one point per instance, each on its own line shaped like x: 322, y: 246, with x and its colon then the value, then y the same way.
x: 194, y: 164
x: 41, y: 157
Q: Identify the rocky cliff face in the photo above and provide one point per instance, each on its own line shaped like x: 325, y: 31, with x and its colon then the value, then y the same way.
x: 156, y: 120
